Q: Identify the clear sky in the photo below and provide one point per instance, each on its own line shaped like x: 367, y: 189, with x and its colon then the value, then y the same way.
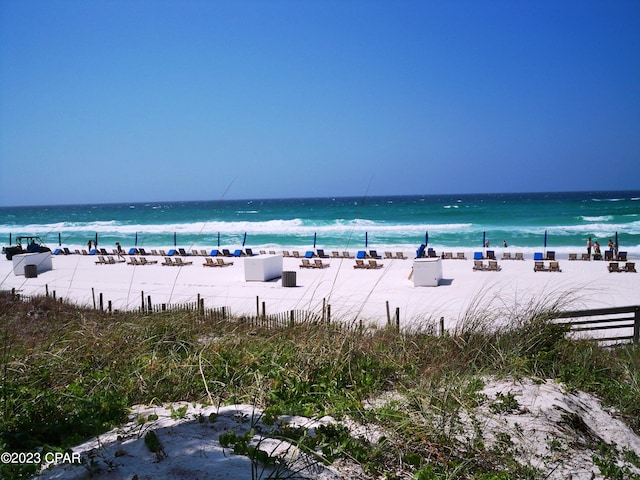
x: 126, y: 101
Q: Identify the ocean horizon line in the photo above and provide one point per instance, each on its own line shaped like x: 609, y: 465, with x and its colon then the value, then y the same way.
x: 328, y: 197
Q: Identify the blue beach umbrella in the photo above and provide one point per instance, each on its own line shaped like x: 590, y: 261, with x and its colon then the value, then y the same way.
x: 244, y: 239
x: 314, y: 239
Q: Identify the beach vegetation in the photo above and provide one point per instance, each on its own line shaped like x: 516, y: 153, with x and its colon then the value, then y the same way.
x: 70, y: 373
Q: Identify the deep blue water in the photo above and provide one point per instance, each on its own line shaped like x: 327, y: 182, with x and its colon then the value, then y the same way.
x: 399, y: 222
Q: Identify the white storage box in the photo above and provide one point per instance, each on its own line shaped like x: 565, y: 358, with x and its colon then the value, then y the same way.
x: 427, y: 272
x: 262, y: 268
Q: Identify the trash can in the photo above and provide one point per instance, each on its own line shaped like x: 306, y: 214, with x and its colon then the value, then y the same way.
x: 288, y: 279
x: 31, y: 271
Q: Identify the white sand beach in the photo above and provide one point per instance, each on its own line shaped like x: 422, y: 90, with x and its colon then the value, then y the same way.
x: 353, y: 294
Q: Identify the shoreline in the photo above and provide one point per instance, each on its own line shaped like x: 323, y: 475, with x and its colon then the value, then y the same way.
x: 354, y: 294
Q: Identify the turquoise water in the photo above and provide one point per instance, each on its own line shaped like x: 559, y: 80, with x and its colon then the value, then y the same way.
x: 398, y: 222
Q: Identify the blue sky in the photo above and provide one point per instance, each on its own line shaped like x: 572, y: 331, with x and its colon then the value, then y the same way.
x: 124, y: 101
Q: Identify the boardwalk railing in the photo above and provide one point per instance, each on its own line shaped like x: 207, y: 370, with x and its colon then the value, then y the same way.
x: 608, y: 320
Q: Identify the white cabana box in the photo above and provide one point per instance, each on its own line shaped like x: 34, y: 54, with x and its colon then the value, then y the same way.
x: 42, y: 261
x: 262, y: 268
x: 427, y: 272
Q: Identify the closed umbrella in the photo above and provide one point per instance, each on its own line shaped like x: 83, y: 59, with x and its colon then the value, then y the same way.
x: 366, y: 239
x: 244, y: 239
x: 426, y: 238
x: 59, y: 239
x: 545, y: 241
x: 136, y: 242
x: 175, y: 239
x: 218, y: 239
x: 314, y: 239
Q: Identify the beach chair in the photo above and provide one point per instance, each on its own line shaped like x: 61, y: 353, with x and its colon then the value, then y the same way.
x: 608, y: 255
x: 478, y: 265
x: 361, y: 254
x: 478, y: 256
x: 622, y: 256
x: 551, y: 256
x: 431, y: 253
x: 101, y: 260
x: 111, y: 260
x: 573, y: 256
x: 537, y: 257
x: 493, y: 266
x: 388, y: 256
x: 238, y: 253
x: 285, y: 253
x: 272, y: 252
x: 360, y: 263
x: 321, y: 253
x: 172, y: 252
x: 491, y: 255
x: 346, y: 254
x: 168, y: 262
x: 57, y: 251
x: 144, y: 261
x: 263, y: 252
x: 538, y: 266
x: 400, y: 256
x: 306, y: 263
x: 374, y: 265
x: 142, y: 251
x: 374, y: 254
x: 66, y: 251
x: 506, y: 256
x: 585, y: 256
x: 226, y: 253
x: 317, y: 263
x: 614, y: 267
x: 214, y: 253
x: 447, y: 256
x: 103, y: 251
x: 208, y: 262
x: 249, y: 252
x: 180, y: 263
x: 335, y: 254
x: 519, y: 256
x: 296, y: 254
x: 554, y: 267
x: 133, y: 261
x: 460, y: 256
x: 222, y: 263
x: 309, y: 254
x: 203, y: 253
x: 630, y: 267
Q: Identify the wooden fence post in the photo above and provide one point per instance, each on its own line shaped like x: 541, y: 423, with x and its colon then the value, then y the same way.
x: 388, y: 313
x: 328, y: 314
x: 101, y: 303
x: 636, y: 325
x: 149, y: 304
x: 142, y: 300
x: 257, y: 306
x: 441, y: 326
x: 398, y: 318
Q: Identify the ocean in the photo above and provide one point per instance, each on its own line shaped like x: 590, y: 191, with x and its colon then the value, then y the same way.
x: 451, y: 222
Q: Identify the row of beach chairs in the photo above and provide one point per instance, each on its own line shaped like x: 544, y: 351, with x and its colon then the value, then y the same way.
x: 628, y: 267
x: 540, y: 266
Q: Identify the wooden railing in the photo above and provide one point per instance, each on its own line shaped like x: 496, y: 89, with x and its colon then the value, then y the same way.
x: 604, y: 319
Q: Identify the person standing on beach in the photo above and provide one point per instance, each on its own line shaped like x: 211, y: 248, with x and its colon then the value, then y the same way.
x: 89, y: 245
x: 589, y: 248
x: 119, y: 251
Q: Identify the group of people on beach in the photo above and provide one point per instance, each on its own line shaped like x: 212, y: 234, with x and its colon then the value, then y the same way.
x: 597, y: 253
